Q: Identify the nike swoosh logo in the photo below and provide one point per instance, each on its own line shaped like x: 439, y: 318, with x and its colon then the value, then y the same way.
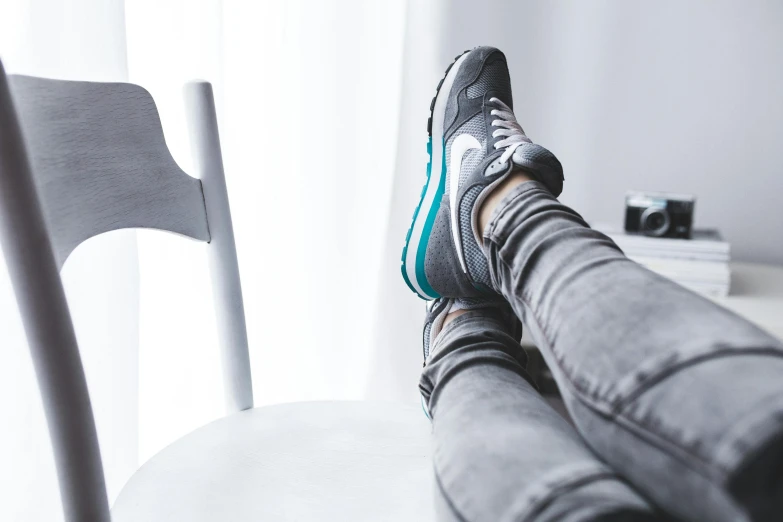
x: 460, y: 145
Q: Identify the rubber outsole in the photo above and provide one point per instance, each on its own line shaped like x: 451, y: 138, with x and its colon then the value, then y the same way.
x: 426, y: 183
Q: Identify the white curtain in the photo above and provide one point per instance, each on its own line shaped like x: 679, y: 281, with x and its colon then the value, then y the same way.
x: 77, y: 39
x: 309, y: 102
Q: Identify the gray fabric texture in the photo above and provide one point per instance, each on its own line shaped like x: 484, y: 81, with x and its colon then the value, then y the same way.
x: 674, y: 393
x: 542, y: 164
x: 441, y: 265
x: 494, y: 75
x: 501, y: 453
x: 460, y: 108
x: 475, y: 261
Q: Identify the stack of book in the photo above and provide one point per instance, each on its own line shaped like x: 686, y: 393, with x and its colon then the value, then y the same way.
x: 700, y: 263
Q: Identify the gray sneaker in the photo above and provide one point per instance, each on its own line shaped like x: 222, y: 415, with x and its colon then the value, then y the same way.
x: 438, y: 309
x: 474, y: 143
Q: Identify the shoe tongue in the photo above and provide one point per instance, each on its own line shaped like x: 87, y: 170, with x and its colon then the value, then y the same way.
x: 535, y: 161
x: 518, y: 159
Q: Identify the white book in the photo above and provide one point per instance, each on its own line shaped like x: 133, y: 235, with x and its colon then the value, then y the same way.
x: 706, y: 289
x: 695, y: 256
x: 694, y: 280
x: 705, y: 245
x: 707, y: 278
x: 686, y: 269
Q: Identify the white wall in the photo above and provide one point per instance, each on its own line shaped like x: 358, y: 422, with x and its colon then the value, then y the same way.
x: 71, y: 39
x: 668, y: 95
x: 682, y: 96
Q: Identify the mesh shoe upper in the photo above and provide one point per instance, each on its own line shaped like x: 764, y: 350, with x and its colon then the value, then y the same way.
x: 471, y: 145
x: 475, y: 142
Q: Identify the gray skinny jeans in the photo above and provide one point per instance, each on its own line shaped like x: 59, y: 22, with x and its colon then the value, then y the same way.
x: 677, y: 402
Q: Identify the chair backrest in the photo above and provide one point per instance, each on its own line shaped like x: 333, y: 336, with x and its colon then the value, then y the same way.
x: 100, y: 162
x: 78, y: 159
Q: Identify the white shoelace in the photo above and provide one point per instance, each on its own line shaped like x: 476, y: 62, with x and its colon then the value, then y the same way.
x: 509, y: 127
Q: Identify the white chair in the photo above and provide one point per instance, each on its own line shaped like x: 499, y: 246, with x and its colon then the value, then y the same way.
x: 78, y: 159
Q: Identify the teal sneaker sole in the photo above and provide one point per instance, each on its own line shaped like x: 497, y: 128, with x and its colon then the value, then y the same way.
x: 417, y: 238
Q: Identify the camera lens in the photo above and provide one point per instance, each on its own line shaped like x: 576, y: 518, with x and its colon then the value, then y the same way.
x: 655, y: 221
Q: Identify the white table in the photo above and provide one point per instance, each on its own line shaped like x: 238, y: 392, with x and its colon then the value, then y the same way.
x: 757, y: 295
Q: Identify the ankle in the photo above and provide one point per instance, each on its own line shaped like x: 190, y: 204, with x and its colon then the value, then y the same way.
x: 496, y: 196
x: 453, y: 315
